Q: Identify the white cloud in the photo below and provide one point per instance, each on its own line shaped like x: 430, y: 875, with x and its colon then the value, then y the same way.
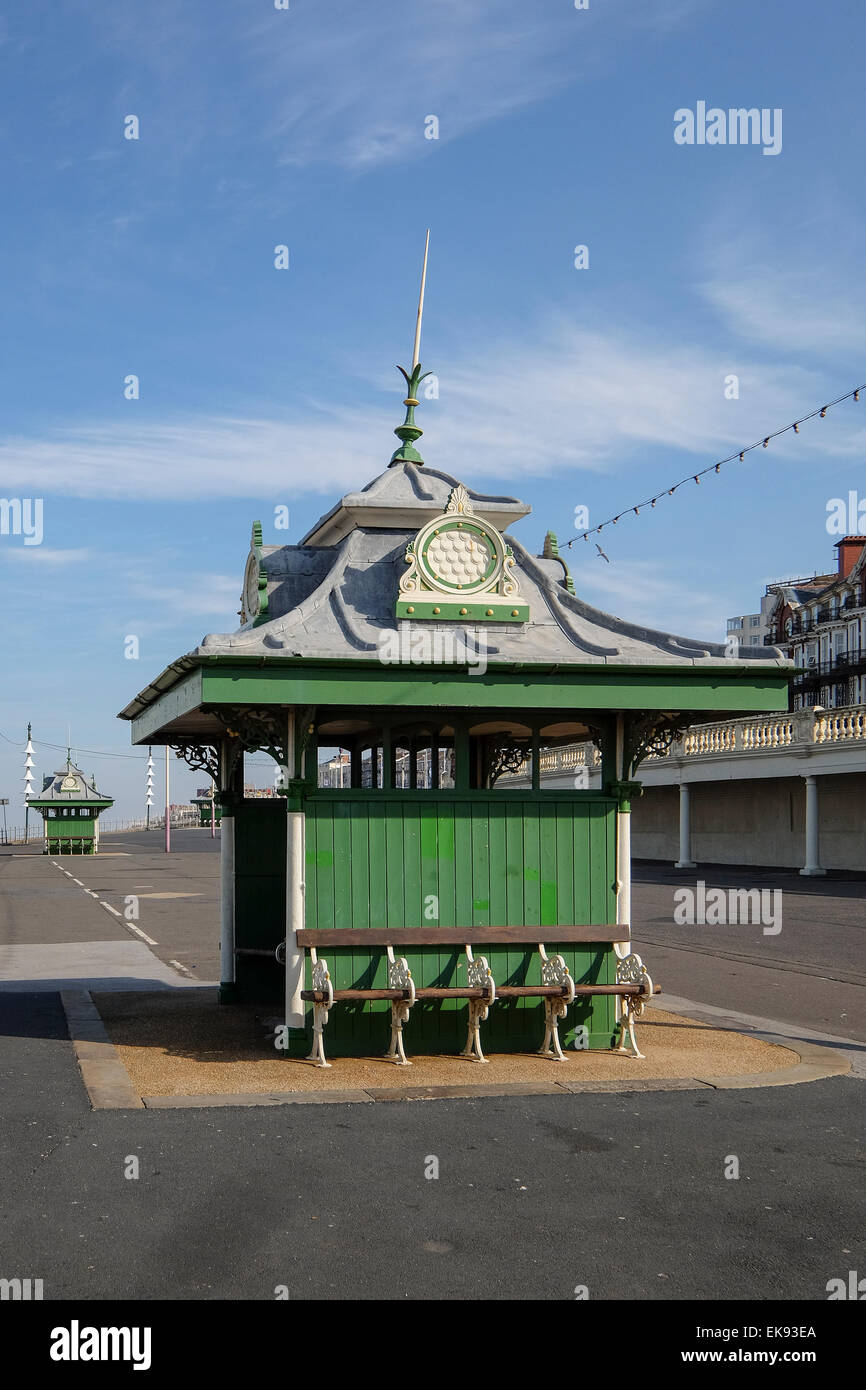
x: 646, y: 592
x: 577, y: 399
x: 779, y: 294
x: 214, y: 595
x: 356, y: 92
x: 350, y: 84
x: 42, y: 555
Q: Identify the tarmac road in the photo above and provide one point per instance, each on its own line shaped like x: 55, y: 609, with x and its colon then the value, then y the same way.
x: 811, y: 973
x: 624, y: 1194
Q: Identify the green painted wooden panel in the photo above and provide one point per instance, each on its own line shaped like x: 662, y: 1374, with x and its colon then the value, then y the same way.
x: 475, y: 859
x: 260, y: 893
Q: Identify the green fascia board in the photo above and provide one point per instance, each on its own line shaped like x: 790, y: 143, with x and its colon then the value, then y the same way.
x: 565, y: 688
x: 728, y: 688
x: 39, y: 803
x: 164, y: 705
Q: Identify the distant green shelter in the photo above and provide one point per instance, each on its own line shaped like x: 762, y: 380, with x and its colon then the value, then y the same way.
x: 70, y: 806
x: 208, y: 808
x: 411, y: 630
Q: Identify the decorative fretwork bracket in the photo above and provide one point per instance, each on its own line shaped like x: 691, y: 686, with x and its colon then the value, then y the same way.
x: 201, y: 757
x: 504, y: 757
x: 650, y: 733
x: 252, y: 729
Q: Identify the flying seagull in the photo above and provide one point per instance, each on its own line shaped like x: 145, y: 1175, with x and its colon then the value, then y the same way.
x: 601, y: 552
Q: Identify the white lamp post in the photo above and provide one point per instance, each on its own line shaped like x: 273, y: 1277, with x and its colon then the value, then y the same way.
x: 149, y: 801
x: 28, y: 784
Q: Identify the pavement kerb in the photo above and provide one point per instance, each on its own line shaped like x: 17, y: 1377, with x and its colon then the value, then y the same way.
x: 109, y: 1087
x: 104, y: 1075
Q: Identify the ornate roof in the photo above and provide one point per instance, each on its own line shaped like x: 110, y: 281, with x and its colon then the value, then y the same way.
x: 335, y: 595
x: 404, y: 497
x: 68, y: 784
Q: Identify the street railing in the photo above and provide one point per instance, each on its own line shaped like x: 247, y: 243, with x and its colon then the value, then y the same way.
x: 755, y: 734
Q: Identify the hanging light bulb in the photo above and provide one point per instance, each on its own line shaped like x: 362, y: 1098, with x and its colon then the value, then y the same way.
x: 823, y: 412
x: 766, y: 441
x: 742, y: 456
x: 857, y: 394
x: 796, y: 427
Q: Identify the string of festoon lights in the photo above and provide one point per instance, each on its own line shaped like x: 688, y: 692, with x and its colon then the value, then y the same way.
x: 738, y: 455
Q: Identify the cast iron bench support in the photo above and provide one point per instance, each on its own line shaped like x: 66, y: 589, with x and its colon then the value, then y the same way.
x: 557, y: 990
x: 399, y: 978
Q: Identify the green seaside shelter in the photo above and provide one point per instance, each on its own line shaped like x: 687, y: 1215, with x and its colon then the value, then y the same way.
x: 208, y: 808
x: 70, y: 806
x: 412, y: 630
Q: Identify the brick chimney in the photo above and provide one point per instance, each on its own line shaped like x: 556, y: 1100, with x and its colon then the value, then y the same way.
x: 849, y: 549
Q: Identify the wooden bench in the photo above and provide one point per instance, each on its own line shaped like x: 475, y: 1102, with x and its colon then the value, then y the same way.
x: 75, y: 844
x: 557, y: 990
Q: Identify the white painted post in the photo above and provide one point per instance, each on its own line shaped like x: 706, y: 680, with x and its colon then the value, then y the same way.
x: 812, y: 867
x: 167, y: 804
x: 295, y: 887
x: 227, y: 886
x: 685, y: 860
x: 623, y: 854
x: 623, y: 866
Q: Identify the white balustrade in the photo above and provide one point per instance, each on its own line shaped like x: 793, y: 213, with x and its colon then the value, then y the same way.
x: 777, y: 731
x: 725, y: 737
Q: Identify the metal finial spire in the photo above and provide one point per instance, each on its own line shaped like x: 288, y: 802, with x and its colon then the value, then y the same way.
x: 408, y: 433
x: 415, y: 358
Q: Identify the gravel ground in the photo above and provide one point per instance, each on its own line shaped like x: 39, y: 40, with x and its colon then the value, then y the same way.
x: 184, y: 1044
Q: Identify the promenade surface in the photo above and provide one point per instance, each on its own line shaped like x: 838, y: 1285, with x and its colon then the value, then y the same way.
x: 624, y: 1193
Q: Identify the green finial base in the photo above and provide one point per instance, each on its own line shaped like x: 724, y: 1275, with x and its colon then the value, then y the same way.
x: 408, y: 433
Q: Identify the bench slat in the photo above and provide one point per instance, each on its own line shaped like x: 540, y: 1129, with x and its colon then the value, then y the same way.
x: 467, y: 992
x: 457, y: 936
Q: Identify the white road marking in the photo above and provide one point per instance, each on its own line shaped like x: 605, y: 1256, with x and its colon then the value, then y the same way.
x: 144, y: 936
x: 177, y: 965
x: 149, y: 939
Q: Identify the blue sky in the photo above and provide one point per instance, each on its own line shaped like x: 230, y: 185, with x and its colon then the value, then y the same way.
x: 260, y: 387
